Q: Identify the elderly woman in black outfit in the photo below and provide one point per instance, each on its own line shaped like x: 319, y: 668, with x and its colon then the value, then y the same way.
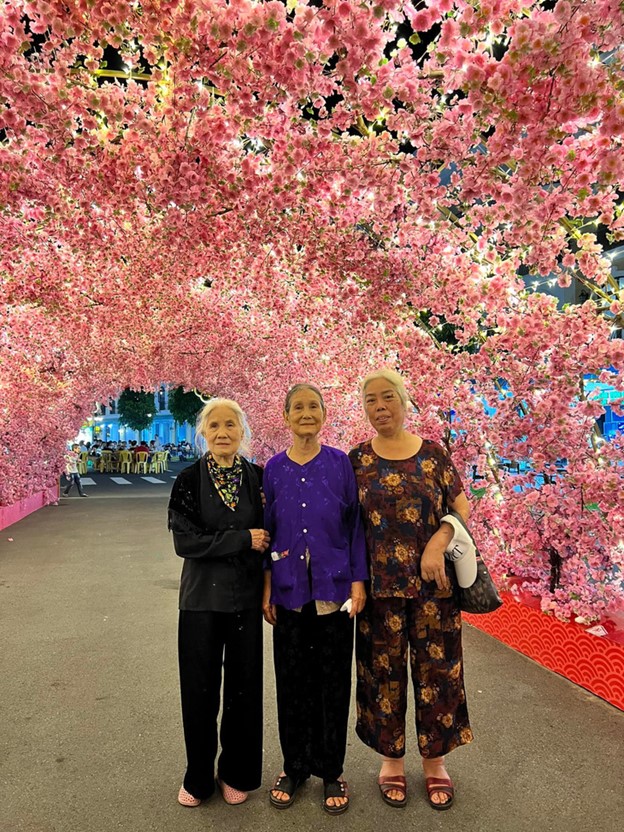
x: 216, y: 516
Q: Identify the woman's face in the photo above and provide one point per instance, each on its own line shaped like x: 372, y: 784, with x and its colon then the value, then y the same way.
x: 223, y: 433
x: 306, y: 417
x: 384, y: 407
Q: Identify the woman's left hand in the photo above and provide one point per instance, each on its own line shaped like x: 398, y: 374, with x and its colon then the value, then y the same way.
x: 358, y: 598
x: 432, y: 565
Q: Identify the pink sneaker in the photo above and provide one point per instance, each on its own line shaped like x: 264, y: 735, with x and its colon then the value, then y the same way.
x: 186, y: 798
x: 231, y: 795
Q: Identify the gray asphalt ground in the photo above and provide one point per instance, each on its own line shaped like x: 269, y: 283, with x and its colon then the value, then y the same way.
x: 90, y: 733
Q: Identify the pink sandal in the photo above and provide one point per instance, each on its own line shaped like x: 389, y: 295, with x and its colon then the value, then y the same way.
x: 232, y: 795
x: 186, y: 798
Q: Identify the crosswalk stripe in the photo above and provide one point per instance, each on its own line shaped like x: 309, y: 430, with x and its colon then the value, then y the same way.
x: 87, y: 481
x: 121, y: 481
x: 152, y: 479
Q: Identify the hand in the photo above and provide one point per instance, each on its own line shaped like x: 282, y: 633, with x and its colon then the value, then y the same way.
x: 358, y: 598
x: 432, y: 565
x: 259, y: 539
x: 268, y: 609
x: 270, y: 613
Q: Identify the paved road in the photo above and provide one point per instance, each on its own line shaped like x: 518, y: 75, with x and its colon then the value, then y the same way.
x: 90, y: 737
x: 128, y: 485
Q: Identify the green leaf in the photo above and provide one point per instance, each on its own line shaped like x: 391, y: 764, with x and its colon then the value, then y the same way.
x: 184, y: 407
x: 136, y: 409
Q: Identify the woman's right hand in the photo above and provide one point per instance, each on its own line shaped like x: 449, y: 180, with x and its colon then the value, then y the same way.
x: 259, y: 539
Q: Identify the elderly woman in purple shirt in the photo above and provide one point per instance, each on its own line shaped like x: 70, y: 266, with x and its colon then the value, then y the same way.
x: 314, y: 586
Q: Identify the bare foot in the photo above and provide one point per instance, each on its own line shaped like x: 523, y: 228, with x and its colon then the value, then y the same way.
x: 391, y: 767
x: 435, y: 767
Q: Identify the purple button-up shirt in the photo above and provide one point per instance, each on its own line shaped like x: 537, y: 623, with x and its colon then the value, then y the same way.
x: 313, y: 506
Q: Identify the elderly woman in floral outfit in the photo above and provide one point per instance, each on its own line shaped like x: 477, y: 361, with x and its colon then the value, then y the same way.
x: 406, y: 485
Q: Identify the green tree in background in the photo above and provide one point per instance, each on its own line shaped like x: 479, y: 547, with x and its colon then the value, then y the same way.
x: 184, y: 407
x: 136, y: 409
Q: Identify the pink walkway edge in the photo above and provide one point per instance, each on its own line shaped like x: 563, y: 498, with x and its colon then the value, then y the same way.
x: 17, y: 511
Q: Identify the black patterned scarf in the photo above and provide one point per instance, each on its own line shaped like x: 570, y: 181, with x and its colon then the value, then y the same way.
x: 227, y: 481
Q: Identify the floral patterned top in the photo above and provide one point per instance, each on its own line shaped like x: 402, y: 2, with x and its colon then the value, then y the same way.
x: 402, y: 503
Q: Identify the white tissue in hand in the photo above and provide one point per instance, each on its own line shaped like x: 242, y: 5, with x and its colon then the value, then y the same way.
x: 346, y: 607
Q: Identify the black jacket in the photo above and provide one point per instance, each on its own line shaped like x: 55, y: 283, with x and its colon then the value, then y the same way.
x: 221, y: 572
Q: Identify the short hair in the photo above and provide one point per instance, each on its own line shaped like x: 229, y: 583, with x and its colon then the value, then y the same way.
x: 204, y: 416
x: 296, y: 388
x: 393, y: 378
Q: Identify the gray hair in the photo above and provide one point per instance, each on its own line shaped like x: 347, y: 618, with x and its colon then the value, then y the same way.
x: 296, y: 388
x: 203, y: 418
x: 393, y: 378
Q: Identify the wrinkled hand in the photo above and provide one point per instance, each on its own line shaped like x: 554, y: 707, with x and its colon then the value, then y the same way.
x: 358, y: 598
x: 432, y: 566
x: 268, y: 609
x: 259, y: 539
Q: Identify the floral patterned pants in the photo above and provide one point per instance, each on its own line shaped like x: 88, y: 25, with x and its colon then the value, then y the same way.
x: 430, y: 628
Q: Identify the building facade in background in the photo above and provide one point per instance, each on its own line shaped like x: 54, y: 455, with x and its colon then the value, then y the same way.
x: 106, y: 426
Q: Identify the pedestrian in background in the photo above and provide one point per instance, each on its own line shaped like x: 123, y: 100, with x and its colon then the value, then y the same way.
x: 71, y: 472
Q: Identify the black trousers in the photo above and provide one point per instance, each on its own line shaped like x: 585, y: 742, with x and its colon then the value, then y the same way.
x: 313, y: 655
x: 73, y: 479
x: 208, y: 642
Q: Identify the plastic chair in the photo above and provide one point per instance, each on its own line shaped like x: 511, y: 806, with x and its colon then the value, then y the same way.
x: 156, y: 465
x: 165, y: 460
x: 106, y: 462
x: 83, y: 463
x: 140, y: 462
x: 125, y: 462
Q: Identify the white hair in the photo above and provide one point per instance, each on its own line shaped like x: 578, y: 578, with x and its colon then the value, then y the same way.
x: 393, y: 378
x: 204, y: 416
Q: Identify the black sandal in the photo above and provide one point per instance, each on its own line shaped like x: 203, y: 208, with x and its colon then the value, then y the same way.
x: 289, y: 786
x: 336, y: 788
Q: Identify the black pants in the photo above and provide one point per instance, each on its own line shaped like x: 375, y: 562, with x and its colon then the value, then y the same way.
x: 208, y: 641
x: 71, y: 480
x: 312, y: 655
